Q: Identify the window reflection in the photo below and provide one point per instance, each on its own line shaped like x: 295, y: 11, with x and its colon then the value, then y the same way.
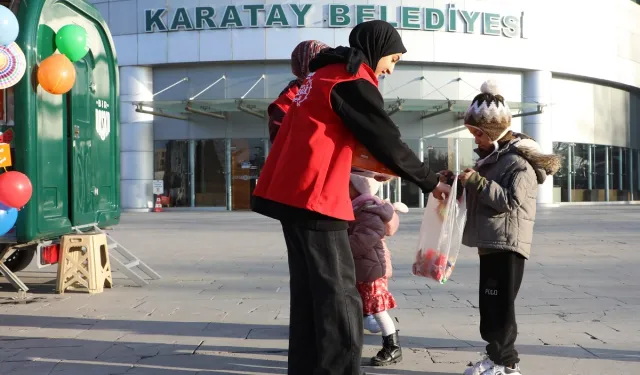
x: 411, y: 192
x: 171, y: 164
x: 596, y: 173
x: 438, y: 154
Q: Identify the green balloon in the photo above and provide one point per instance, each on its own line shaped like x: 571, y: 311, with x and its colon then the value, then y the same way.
x: 71, y: 41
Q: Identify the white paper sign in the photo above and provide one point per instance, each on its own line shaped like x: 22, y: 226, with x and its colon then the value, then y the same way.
x: 158, y: 186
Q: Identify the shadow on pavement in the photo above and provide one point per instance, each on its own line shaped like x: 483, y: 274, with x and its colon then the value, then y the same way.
x: 41, y: 355
x: 259, y: 332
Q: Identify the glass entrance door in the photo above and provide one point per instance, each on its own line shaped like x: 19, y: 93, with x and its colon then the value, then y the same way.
x: 247, y: 159
x: 209, y: 173
x: 172, y: 166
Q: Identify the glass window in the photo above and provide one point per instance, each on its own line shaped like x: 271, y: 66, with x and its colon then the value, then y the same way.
x: 616, y: 170
x: 171, y: 164
x: 467, y: 157
x: 410, y: 191
x: 581, y: 168
x: 560, y: 179
x: 601, y: 162
x: 634, y: 167
x: 436, y: 154
x: 592, y: 173
x: 581, y: 175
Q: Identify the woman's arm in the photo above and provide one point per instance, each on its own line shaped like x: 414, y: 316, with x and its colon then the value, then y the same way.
x: 361, y: 107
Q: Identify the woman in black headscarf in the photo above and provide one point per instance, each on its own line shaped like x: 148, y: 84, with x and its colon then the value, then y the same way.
x: 304, y: 184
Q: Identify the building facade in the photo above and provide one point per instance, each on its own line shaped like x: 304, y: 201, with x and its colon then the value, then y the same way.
x: 197, y: 76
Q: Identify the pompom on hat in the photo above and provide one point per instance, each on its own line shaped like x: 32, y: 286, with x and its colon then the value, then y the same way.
x: 489, y: 112
x: 365, y: 185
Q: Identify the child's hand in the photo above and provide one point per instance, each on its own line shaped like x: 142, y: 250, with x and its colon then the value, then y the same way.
x: 464, y: 176
x: 441, y: 192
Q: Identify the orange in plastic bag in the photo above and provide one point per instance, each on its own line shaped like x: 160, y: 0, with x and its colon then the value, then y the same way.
x: 440, y: 237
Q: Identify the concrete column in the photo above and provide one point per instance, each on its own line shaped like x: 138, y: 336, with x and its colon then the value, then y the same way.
x: 136, y: 140
x: 537, y: 88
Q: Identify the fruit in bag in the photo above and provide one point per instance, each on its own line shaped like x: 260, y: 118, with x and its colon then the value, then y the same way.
x: 430, y: 263
x: 441, y: 235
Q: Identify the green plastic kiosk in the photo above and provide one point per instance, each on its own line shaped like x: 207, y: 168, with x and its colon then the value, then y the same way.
x: 68, y: 145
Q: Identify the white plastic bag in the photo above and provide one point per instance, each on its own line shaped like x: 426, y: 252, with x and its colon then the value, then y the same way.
x: 441, y: 236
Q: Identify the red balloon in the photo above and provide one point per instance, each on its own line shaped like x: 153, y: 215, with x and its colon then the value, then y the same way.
x: 15, y: 189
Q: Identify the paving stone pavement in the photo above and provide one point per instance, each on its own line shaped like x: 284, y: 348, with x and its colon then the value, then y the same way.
x: 222, y: 305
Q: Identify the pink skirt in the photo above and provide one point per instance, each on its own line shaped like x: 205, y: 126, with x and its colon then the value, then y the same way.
x: 376, y: 297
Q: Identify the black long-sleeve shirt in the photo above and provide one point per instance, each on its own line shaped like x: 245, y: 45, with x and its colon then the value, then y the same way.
x: 361, y: 107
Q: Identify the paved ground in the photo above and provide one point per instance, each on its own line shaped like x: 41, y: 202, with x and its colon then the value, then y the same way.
x: 222, y: 307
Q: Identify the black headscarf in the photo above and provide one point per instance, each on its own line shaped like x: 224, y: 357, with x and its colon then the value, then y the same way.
x: 376, y: 39
x: 370, y: 41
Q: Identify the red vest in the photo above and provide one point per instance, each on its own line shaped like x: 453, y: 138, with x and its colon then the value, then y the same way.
x: 284, y: 100
x: 310, y: 162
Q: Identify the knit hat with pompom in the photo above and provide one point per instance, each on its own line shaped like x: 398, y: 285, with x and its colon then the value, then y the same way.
x: 489, y: 112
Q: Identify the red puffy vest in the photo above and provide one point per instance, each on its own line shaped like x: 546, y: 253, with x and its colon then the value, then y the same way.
x: 310, y: 162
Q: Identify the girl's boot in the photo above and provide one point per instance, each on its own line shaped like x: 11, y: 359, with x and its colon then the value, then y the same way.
x: 391, y: 352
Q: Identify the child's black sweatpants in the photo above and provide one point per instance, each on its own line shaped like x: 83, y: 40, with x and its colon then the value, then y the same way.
x: 500, y: 279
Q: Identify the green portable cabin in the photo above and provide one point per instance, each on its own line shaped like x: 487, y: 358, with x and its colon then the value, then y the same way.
x: 68, y: 145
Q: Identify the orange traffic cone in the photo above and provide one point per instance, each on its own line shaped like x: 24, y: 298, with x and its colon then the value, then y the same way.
x: 158, y: 207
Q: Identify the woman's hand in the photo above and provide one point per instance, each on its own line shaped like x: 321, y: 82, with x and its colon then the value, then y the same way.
x: 445, y: 175
x: 464, y: 176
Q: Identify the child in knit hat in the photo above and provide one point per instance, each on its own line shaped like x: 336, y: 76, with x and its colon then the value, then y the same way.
x: 501, y: 201
x: 374, y: 220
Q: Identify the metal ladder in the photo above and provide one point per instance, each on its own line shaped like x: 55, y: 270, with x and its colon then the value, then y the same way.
x: 10, y: 276
x: 130, y: 263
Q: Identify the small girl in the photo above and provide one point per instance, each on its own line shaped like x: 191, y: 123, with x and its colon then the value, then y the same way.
x: 374, y: 220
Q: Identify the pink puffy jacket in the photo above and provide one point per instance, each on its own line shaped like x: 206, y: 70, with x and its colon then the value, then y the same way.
x: 375, y: 219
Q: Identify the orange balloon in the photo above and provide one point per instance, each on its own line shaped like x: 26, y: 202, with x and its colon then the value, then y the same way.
x: 57, y: 74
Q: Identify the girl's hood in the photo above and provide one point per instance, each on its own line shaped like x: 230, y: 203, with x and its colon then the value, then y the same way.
x: 374, y: 205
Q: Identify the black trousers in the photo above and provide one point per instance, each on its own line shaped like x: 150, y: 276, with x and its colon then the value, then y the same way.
x: 325, y: 327
x: 500, y: 279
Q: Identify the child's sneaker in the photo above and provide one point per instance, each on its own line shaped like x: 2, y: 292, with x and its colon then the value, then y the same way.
x: 502, y: 370
x: 480, y: 367
x: 512, y: 371
x: 371, y: 325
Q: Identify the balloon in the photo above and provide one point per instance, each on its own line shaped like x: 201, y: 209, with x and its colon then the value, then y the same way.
x: 71, y: 41
x: 56, y: 74
x: 8, y: 26
x: 12, y: 65
x: 15, y: 189
x: 8, y: 217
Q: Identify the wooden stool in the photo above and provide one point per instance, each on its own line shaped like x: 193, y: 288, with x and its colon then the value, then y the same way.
x: 84, y: 260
